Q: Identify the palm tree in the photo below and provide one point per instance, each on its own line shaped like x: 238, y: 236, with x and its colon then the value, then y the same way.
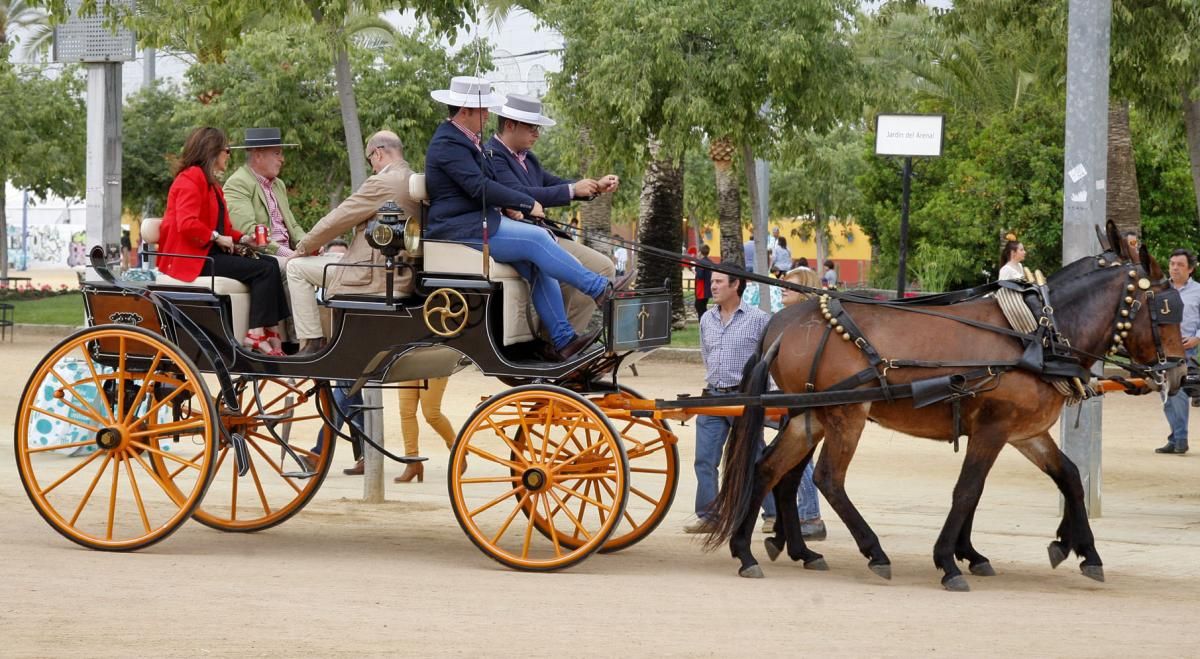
x: 19, y: 15
x: 660, y: 224
x: 729, y: 202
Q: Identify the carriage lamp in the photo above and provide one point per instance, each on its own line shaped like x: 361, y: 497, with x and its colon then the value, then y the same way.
x: 388, y: 232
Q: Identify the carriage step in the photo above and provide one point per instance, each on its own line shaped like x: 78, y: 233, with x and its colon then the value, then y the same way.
x: 273, y: 418
x: 364, y: 408
x: 298, y: 474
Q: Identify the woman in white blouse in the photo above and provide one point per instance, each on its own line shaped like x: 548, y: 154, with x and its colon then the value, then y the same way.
x: 1011, y: 258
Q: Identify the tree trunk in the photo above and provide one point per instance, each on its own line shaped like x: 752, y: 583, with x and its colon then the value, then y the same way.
x: 660, y: 224
x: 595, y: 215
x: 3, y: 229
x: 354, y: 139
x: 729, y: 203
x: 1122, y: 206
x: 1191, y: 124
x: 821, y: 238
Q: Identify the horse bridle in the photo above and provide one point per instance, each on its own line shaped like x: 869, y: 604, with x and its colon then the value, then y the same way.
x: 1169, y: 313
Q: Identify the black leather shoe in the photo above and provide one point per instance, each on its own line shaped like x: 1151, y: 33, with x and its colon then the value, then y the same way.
x: 1168, y: 448
x: 574, y: 347
x: 311, y: 346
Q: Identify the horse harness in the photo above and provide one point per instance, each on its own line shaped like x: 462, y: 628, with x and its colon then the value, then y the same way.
x: 1048, y: 353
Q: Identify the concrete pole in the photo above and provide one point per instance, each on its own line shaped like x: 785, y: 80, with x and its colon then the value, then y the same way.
x: 148, y: 61
x: 372, y: 459
x: 1084, y: 173
x: 24, y: 229
x: 103, y: 199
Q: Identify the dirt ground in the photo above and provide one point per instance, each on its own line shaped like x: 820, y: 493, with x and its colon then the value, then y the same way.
x: 346, y: 578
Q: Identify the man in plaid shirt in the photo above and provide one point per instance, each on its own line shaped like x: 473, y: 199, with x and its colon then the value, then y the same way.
x: 729, y: 336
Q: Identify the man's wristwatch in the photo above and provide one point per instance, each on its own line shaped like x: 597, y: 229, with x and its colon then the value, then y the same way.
x: 215, y: 236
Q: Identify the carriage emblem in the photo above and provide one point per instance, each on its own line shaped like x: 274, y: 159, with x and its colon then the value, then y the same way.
x: 126, y: 318
x: 445, y: 312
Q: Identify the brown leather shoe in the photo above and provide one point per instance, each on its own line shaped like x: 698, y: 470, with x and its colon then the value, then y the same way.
x: 623, y: 282
x: 311, y: 346
x: 356, y: 470
x: 575, y: 347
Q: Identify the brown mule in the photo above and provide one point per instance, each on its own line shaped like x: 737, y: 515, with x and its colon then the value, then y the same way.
x: 1015, y: 407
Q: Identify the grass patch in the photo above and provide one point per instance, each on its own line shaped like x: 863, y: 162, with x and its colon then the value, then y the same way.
x: 688, y: 337
x: 57, y: 310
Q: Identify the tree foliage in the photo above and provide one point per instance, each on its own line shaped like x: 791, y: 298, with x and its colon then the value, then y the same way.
x: 155, y: 127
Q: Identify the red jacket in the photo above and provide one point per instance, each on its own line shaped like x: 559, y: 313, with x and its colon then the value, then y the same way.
x: 188, y: 223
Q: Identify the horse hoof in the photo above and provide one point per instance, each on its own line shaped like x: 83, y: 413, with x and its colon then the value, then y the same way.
x: 956, y: 584
x: 882, y: 569
x: 1093, y: 572
x: 773, y: 550
x: 1056, y: 554
x: 817, y: 564
x: 752, y: 572
x: 983, y: 569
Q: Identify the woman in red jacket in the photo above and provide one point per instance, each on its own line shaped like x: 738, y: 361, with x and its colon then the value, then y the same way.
x: 196, y: 225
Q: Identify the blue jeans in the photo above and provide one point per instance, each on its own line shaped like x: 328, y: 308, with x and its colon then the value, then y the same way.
x: 533, y: 252
x: 1176, y: 410
x: 711, y: 433
x: 806, y: 498
x: 341, y: 410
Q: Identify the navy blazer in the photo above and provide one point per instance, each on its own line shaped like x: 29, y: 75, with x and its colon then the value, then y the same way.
x: 531, y: 179
x: 458, y: 178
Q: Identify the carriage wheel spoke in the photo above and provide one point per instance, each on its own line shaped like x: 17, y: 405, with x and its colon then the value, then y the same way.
x: 511, y: 446
x: 490, y: 479
x: 173, y: 428
x: 55, y: 447
x: 146, y: 380
x: 137, y: 494
x: 172, y: 493
x: 145, y: 418
x: 262, y: 496
x: 94, y: 414
x: 493, y: 502
x: 112, y: 496
x: 583, y: 497
x: 647, y: 470
x: 570, y: 435
x: 87, y: 359
x: 67, y: 419
x: 278, y: 469
x: 583, y: 477
x: 119, y: 379
x: 488, y: 456
x: 553, y: 530
x: 508, y: 520
x: 169, y: 456
x: 529, y: 529
x: 574, y: 520
x: 641, y: 494
x: 74, y: 470
x: 88, y: 495
x: 613, y: 493
x: 549, y: 412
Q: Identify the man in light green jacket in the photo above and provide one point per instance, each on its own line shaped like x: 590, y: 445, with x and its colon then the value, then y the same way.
x: 256, y: 195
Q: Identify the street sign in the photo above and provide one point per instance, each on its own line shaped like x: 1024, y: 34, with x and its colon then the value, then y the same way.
x: 908, y: 134
x: 88, y: 39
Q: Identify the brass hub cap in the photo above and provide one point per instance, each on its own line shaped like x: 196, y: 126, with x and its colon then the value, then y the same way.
x: 109, y: 438
x: 534, y: 479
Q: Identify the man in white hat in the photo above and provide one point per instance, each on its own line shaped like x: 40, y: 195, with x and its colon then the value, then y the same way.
x: 256, y: 195
x: 519, y: 123
x: 463, y: 192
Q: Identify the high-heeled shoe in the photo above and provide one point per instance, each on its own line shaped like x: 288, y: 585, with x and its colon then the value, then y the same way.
x: 260, y: 343
x: 412, y: 470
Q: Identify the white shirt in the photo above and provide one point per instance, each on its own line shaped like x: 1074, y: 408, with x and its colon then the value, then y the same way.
x: 1011, y: 271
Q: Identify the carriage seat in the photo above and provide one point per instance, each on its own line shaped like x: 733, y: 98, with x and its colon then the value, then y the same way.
x: 239, y: 293
x: 452, y: 258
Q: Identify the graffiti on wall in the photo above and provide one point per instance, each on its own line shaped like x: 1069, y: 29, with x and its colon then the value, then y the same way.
x: 49, y: 245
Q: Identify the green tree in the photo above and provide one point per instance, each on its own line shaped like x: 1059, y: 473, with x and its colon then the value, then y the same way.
x: 155, y: 127
x: 18, y: 15
x: 41, y: 136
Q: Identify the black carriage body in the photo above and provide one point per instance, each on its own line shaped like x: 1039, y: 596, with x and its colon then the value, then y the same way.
x: 381, y: 342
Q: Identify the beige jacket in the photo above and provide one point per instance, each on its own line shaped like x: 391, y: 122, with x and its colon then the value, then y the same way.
x: 391, y: 184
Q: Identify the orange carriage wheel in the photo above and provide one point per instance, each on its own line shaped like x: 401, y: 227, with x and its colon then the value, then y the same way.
x: 276, y: 487
x: 573, y: 470
x: 653, y: 455
x: 93, y: 415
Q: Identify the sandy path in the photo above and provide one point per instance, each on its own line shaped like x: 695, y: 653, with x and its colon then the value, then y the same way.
x: 345, y: 578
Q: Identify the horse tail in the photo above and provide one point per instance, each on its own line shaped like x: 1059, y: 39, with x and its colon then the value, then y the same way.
x: 742, y: 451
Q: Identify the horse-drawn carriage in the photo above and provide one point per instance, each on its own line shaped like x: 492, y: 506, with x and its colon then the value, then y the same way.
x: 183, y: 422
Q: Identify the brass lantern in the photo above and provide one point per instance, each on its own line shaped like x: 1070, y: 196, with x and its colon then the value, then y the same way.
x: 388, y: 232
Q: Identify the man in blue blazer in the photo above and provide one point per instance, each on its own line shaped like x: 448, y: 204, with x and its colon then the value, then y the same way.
x: 463, y: 192
x: 519, y: 124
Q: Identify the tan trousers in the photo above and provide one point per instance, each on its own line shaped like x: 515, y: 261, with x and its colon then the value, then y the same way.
x: 303, y: 278
x: 580, y: 305
x: 431, y: 404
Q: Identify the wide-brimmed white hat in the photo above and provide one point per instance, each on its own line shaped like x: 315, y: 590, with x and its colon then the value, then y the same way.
x: 468, y: 92
x: 525, y: 109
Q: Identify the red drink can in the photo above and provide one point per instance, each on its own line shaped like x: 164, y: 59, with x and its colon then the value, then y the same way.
x: 260, y: 234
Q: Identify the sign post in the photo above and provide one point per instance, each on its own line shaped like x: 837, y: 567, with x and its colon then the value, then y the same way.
x: 87, y: 40
x: 907, y: 135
